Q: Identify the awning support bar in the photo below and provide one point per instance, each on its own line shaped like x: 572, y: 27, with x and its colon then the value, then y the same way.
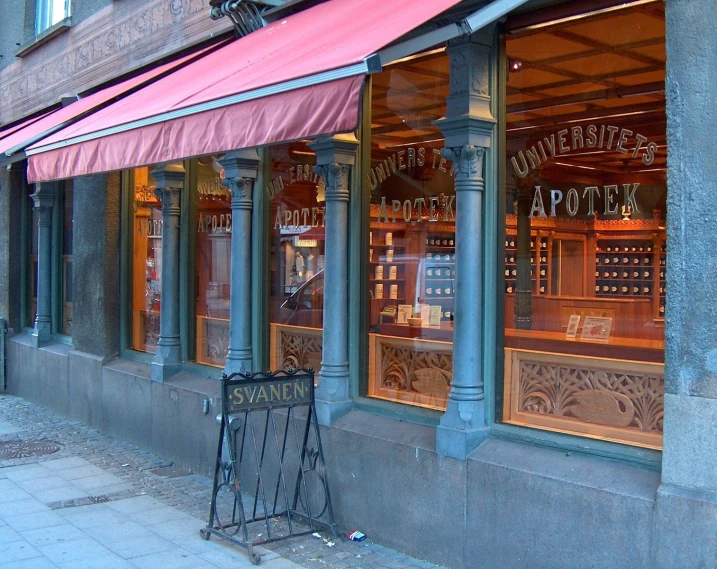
x: 472, y: 23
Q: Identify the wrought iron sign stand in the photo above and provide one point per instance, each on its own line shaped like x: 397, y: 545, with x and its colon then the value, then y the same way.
x: 275, y: 461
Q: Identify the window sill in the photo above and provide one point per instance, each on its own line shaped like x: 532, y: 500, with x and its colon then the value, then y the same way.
x: 44, y: 36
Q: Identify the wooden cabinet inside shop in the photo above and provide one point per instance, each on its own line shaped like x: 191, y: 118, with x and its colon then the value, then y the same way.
x: 590, y: 267
x: 411, y: 263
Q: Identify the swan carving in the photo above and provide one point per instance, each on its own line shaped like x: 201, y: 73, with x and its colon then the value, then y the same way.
x: 603, y: 407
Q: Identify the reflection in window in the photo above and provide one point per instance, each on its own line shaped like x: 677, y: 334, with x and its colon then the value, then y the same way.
x: 296, y: 299
x: 411, y: 276
x: 213, y: 263
x: 146, y: 263
x: 50, y: 12
x: 585, y: 245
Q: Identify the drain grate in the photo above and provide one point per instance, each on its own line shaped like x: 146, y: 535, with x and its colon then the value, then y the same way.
x: 26, y: 449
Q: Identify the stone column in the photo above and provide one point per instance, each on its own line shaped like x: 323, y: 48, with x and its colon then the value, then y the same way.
x: 169, y: 179
x: 240, y: 171
x: 96, y: 260
x: 44, y: 199
x: 467, y: 128
x: 334, y: 158
x: 13, y: 191
x: 686, y: 510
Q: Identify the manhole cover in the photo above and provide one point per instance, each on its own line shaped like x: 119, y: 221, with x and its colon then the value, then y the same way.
x: 25, y: 449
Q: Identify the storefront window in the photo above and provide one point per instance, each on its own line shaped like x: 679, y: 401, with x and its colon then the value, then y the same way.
x: 32, y: 266
x: 146, y: 262
x: 411, y: 276
x: 66, y: 286
x: 213, y: 263
x: 585, y: 245
x: 296, y: 298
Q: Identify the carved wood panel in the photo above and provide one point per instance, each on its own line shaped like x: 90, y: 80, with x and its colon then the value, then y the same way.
x: 418, y: 372
x: 294, y: 347
x: 618, y: 400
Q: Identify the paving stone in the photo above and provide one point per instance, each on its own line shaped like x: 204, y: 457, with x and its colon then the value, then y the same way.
x: 62, y: 463
x: 108, y: 561
x: 37, y: 520
x: 8, y: 535
x: 18, y: 551
x: 35, y: 563
x: 23, y: 507
x: 84, y: 548
x: 176, y: 558
x: 13, y: 494
x: 114, y: 533
x: 139, y: 546
x: 51, y: 535
x: 59, y: 494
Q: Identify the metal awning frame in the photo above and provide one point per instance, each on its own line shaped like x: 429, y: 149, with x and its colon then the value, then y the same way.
x: 370, y: 65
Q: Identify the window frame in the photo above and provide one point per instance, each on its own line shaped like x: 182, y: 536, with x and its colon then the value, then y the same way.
x: 44, y: 10
x: 494, y: 362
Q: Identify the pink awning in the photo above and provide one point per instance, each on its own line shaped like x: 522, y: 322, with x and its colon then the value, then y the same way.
x: 298, y: 77
x: 39, y: 128
x: 9, y: 130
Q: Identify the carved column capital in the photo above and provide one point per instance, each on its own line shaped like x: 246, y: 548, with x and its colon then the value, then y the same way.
x: 170, y: 198
x: 336, y: 178
x: 240, y: 189
x: 467, y: 164
x: 169, y: 179
x: 43, y: 201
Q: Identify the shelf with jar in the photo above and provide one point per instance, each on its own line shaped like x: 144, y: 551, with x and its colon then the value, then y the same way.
x: 624, y: 268
x: 439, y: 272
x: 662, y: 280
x: 390, y: 271
x: 539, y: 263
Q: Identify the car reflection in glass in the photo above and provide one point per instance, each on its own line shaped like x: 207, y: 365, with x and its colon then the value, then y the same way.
x: 305, y: 307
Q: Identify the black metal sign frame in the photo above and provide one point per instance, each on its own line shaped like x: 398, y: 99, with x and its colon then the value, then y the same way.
x: 265, y: 448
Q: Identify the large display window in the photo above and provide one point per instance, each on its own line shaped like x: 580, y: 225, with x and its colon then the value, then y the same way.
x: 146, y: 266
x: 212, y: 263
x: 296, y: 265
x: 66, y: 262
x: 585, y: 245
x: 411, y: 261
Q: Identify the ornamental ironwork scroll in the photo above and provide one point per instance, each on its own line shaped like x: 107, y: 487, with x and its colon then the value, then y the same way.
x: 270, y: 480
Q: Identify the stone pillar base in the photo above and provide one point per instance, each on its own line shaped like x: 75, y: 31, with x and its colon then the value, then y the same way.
x: 462, y: 429
x: 328, y: 412
x: 685, y: 526
x: 459, y: 443
x: 162, y: 372
x: 41, y: 334
x: 237, y: 366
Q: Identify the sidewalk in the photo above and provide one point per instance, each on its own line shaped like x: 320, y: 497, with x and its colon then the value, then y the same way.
x: 71, y: 498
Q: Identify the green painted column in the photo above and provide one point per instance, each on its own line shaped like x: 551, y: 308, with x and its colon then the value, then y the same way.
x: 169, y: 179
x: 44, y: 199
x: 240, y: 172
x: 334, y: 158
x: 467, y: 128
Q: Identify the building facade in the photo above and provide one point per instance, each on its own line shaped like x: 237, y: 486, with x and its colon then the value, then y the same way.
x: 458, y: 212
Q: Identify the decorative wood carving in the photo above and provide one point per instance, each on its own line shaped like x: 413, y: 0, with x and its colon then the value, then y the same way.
x: 629, y: 399
x: 415, y: 370
x: 300, y: 349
